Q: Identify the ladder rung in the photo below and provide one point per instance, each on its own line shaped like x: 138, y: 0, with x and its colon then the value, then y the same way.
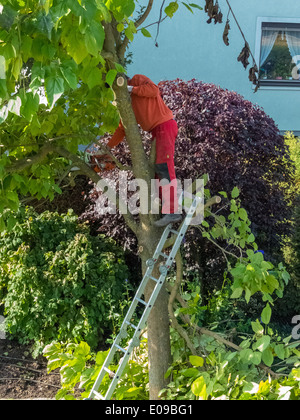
x: 133, y: 326
x: 174, y: 231
x: 153, y: 278
x: 98, y: 395
x: 110, y: 372
x: 164, y: 255
x: 121, y: 348
x: 141, y: 301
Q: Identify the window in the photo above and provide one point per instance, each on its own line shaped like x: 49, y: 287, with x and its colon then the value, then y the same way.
x: 279, y: 54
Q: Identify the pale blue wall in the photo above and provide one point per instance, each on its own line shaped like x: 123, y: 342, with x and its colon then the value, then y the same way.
x: 191, y: 48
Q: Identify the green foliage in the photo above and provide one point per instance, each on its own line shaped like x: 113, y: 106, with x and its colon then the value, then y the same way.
x: 172, y: 7
x: 264, y: 366
x: 291, y: 301
x: 235, y: 228
x: 79, y: 370
x: 58, y: 282
x: 220, y: 372
x: 251, y: 273
x: 254, y: 275
x: 56, y: 85
x: 228, y: 376
x: 296, y: 245
x: 52, y: 86
x: 293, y: 144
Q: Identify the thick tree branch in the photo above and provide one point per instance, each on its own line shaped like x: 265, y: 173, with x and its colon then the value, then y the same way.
x: 107, y: 151
x: 142, y: 19
x: 23, y: 164
x: 141, y: 168
x: 84, y: 169
x: 138, y: 22
x: 175, y: 324
x: 109, y: 42
x: 186, y: 319
x: 90, y: 173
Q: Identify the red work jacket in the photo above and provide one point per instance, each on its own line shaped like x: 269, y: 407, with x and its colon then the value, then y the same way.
x: 148, y: 106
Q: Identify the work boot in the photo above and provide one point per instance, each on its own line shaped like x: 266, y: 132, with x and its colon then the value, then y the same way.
x: 167, y: 219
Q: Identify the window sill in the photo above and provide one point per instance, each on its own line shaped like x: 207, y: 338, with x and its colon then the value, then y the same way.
x: 279, y: 84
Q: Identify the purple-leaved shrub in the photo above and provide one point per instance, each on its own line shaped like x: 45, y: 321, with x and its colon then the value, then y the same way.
x: 237, y: 144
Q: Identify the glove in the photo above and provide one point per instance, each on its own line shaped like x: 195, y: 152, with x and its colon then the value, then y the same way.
x: 129, y: 88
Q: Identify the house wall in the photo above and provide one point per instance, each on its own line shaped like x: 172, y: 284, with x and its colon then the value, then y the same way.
x: 190, y: 48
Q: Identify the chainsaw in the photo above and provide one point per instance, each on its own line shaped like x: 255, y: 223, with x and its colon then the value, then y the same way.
x: 97, y: 161
x: 101, y: 163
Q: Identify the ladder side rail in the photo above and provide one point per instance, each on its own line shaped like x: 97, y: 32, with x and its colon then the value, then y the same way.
x: 134, y: 302
x: 138, y: 294
x: 131, y: 346
x: 118, y: 375
x: 102, y: 372
x: 144, y: 282
x: 197, y: 200
x: 123, y: 328
x: 140, y: 326
x: 120, y: 336
x: 149, y: 304
x: 162, y: 241
x: 182, y: 231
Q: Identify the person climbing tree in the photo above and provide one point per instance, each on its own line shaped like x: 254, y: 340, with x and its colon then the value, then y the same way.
x: 153, y: 115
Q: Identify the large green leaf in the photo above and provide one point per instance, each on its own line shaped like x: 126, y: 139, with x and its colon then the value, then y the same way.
x: 110, y: 77
x: 69, y: 76
x: 196, y: 361
x: 54, y: 87
x: 7, y: 17
x: 267, y: 357
x: 262, y: 344
x: 199, y: 388
x: 94, y: 78
x: 266, y: 314
x: 237, y: 293
x: 75, y: 44
x: 104, y: 10
x: 30, y: 105
x: 235, y: 192
x: 120, y: 8
x: 94, y: 38
x: 44, y: 23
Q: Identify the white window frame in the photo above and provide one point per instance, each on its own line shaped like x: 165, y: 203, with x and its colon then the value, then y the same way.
x: 259, y: 24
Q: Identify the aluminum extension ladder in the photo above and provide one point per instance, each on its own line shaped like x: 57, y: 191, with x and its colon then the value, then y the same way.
x: 135, y: 341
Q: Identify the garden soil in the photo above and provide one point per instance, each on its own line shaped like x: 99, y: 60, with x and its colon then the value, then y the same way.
x: 22, y: 377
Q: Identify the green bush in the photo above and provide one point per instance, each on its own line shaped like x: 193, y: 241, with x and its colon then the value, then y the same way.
x: 293, y: 144
x: 290, y: 304
x: 295, y: 260
x: 57, y: 281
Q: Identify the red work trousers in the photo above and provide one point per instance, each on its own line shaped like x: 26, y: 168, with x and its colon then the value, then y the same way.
x: 165, y: 135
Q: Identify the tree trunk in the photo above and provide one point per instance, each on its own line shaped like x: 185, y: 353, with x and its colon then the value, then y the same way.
x: 159, y: 347
x: 158, y: 333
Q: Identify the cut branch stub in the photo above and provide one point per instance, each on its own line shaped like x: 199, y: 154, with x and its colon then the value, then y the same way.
x: 120, y: 81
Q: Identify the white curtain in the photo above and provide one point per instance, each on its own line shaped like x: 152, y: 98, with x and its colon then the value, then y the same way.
x: 268, y: 40
x: 293, y: 41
